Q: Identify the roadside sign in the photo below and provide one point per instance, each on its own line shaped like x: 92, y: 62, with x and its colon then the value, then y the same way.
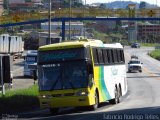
x: 132, y: 8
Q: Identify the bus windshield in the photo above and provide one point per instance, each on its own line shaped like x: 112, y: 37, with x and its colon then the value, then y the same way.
x: 63, y: 75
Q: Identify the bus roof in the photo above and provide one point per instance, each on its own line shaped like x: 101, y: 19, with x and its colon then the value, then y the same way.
x: 72, y: 44
x: 77, y: 44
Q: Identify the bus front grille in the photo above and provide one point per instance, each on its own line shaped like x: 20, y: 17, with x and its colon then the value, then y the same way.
x: 61, y: 95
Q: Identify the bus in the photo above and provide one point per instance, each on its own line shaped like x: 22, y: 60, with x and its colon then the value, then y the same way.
x: 30, y: 63
x: 81, y: 73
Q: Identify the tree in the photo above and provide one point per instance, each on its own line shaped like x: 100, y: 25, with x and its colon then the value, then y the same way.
x: 76, y: 4
x: 142, y: 5
x: 103, y: 6
x: 73, y: 4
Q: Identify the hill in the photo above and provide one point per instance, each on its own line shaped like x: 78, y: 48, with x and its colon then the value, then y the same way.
x: 124, y: 4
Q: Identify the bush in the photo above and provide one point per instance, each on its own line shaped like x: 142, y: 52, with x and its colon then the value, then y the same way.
x: 155, y: 54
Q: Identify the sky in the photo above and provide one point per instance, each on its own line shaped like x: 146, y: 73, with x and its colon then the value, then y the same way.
x: 106, y: 1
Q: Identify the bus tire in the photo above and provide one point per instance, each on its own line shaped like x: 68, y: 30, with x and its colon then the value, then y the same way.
x: 116, y: 99
x: 119, y: 94
x: 54, y: 111
x: 95, y: 106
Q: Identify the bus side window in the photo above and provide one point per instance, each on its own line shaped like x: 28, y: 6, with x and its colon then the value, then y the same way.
x: 115, y: 56
x: 122, y: 56
x: 112, y: 56
x: 109, y: 56
x: 105, y: 56
x: 95, y: 56
x: 100, y: 56
x: 118, y: 56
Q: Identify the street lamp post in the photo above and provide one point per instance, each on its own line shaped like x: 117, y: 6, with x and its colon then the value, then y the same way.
x: 49, y: 22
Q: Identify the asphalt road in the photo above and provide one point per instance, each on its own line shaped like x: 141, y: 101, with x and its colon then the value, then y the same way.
x: 19, y: 81
x: 142, y: 102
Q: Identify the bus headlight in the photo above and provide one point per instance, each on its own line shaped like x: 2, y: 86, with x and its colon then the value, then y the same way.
x: 82, y: 93
x: 46, y: 96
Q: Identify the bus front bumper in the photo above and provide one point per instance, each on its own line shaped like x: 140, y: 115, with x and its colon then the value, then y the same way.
x: 58, y: 102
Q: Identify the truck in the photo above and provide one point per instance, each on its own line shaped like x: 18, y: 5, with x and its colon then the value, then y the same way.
x: 12, y: 45
x: 30, y: 63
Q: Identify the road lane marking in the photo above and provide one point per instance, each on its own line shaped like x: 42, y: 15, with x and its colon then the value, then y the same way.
x: 145, y: 69
x: 149, y: 72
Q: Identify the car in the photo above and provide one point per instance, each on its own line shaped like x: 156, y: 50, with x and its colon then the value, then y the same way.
x: 134, y: 57
x: 135, y: 45
x: 134, y: 65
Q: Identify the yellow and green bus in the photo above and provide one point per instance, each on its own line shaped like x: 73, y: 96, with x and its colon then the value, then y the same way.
x: 81, y: 73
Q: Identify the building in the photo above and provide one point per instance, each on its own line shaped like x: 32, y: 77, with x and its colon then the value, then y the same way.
x: 37, y: 39
x: 24, y: 5
x: 43, y: 37
x: 76, y: 28
x: 57, y: 4
x: 1, y: 7
x: 58, y: 26
x: 148, y: 31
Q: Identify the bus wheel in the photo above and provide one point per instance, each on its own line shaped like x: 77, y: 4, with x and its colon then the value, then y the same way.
x: 119, y: 94
x: 116, y: 99
x: 54, y: 110
x: 95, y: 106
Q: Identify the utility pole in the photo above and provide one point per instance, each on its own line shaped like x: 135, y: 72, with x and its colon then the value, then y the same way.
x: 69, y: 20
x: 49, y: 22
x: 84, y: 29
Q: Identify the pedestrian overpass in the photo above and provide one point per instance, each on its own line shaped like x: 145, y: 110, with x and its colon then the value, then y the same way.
x: 79, y: 14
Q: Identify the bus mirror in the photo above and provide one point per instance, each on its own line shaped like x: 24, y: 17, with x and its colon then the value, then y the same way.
x: 34, y: 75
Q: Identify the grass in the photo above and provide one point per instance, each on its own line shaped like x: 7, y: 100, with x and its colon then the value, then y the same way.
x: 150, y: 44
x: 155, y: 54
x: 19, y: 100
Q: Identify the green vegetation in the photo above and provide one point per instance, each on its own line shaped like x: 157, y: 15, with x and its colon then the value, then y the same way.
x: 109, y: 38
x: 101, y: 36
x: 19, y: 100
x: 155, y: 54
x: 149, y: 44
